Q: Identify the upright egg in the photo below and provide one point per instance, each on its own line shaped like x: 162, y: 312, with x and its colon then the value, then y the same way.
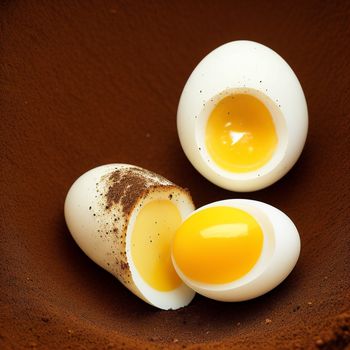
x: 124, y: 218
x: 242, y: 117
x: 235, y: 250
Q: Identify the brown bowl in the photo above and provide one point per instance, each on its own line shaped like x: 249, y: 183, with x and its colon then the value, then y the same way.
x: 89, y: 83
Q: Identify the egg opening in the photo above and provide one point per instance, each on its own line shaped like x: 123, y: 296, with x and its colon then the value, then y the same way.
x: 241, y: 133
x: 152, y: 233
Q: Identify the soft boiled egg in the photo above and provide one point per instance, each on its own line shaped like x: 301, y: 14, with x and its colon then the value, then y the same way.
x: 124, y: 218
x: 242, y: 117
x: 236, y: 249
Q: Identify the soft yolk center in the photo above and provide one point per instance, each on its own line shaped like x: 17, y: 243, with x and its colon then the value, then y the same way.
x: 240, y: 133
x: 151, y: 238
x: 218, y: 245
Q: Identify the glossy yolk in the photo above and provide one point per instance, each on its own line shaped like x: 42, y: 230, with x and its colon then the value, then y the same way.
x: 151, y: 238
x: 240, y: 134
x: 217, y: 245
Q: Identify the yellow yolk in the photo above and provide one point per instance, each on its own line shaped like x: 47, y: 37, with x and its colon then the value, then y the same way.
x: 217, y: 245
x: 151, y: 238
x: 240, y: 134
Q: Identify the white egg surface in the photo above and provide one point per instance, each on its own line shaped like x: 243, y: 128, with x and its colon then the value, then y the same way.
x: 124, y: 218
x: 236, y: 249
x: 242, y: 117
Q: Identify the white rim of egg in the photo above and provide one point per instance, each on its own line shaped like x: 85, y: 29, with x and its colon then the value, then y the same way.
x: 268, y: 271
x: 182, y: 294
x: 251, y: 68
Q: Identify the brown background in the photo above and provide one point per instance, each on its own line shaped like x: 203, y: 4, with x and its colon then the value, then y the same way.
x: 85, y: 83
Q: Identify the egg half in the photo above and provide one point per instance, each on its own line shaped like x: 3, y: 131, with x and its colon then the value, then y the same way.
x: 236, y: 249
x: 124, y: 218
x: 242, y: 117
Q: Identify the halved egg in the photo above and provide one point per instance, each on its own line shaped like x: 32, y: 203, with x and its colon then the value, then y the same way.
x: 124, y: 218
x: 236, y: 249
x: 242, y: 117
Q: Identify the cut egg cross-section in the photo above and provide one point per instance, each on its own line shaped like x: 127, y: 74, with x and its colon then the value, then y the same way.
x: 235, y: 250
x: 124, y: 218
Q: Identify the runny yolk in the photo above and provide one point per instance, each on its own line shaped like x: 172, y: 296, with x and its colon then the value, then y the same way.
x: 151, y: 238
x: 240, y: 134
x: 217, y: 245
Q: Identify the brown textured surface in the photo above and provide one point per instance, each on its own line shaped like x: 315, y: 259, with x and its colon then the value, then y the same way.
x: 88, y: 83
x: 126, y: 186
